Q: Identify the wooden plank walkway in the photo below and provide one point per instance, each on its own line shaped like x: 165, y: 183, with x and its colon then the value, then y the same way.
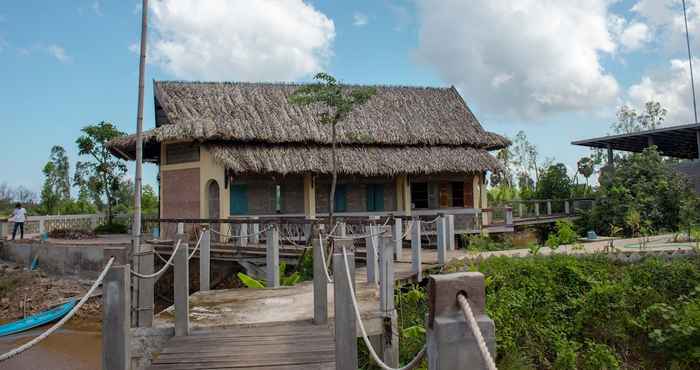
x: 261, y: 348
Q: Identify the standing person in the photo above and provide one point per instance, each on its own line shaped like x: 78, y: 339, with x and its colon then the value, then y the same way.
x: 19, y: 215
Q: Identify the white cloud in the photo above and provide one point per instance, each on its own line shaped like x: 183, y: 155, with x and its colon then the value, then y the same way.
x: 264, y: 40
x: 523, y: 59
x: 670, y: 87
x: 360, y: 19
x: 635, y: 36
x: 96, y: 8
x: 59, y: 53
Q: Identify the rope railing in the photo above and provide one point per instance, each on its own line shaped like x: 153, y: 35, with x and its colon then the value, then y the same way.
x: 229, y: 236
x: 60, y: 323
x: 411, y: 365
x: 196, y: 247
x: 168, y: 263
x: 323, y: 258
x: 469, y: 316
x: 357, y: 237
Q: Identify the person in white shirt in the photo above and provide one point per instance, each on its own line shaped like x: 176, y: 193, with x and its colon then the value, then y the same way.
x: 19, y: 215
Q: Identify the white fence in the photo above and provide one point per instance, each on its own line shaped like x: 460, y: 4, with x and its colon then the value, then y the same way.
x: 47, y: 224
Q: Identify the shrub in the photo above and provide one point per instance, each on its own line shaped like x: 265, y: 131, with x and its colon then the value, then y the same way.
x: 112, y: 228
x: 564, y: 233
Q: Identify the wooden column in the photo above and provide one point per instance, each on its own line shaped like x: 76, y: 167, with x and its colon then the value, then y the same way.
x: 345, y: 319
x: 310, y: 197
x: 272, y: 267
x: 320, y: 282
x: 549, y: 208
x: 372, y: 258
x: 390, y: 338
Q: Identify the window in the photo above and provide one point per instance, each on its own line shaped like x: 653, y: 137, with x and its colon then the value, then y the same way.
x: 458, y: 194
x: 375, y: 197
x: 239, y: 199
x: 419, y: 195
x: 181, y: 153
x: 341, y: 198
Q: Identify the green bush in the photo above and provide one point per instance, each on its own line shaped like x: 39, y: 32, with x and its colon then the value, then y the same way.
x: 113, y: 228
x: 564, y: 233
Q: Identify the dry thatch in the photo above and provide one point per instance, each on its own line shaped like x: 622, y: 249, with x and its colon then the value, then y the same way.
x: 353, y: 160
x: 260, y: 112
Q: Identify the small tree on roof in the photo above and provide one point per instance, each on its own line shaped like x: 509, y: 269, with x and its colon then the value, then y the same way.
x: 339, y: 102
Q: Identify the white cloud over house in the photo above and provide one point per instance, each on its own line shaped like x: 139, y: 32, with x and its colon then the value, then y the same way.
x: 59, y: 53
x: 261, y: 40
x: 360, y: 19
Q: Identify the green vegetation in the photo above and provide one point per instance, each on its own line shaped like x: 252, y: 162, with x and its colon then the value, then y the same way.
x: 285, y: 280
x: 112, y: 228
x: 565, y: 312
x: 564, y: 233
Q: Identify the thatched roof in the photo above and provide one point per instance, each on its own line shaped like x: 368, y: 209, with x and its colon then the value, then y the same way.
x: 358, y: 160
x: 263, y: 132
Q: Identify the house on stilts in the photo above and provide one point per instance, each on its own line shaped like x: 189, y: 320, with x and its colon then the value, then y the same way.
x: 241, y: 150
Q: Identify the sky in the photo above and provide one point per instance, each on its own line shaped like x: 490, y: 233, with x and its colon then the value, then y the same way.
x: 556, y: 69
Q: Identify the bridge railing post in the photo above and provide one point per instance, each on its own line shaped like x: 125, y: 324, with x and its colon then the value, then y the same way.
x: 255, y: 232
x: 549, y: 207
x: 416, y: 262
x: 441, y: 239
x: 520, y: 210
x: 272, y: 258
x: 181, y: 285
x: 371, y: 243
x: 451, y: 232
x: 320, y: 280
x: 390, y: 337
x: 116, y: 312
x: 205, y: 259
x: 537, y: 209
x: 397, y: 233
x: 450, y: 342
x: 567, y: 209
x: 509, y: 216
x: 345, y: 319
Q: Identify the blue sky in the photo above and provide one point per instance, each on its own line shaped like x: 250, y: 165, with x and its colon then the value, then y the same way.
x: 556, y: 69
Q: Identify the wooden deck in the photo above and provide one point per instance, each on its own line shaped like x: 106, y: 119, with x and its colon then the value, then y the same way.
x: 292, y: 347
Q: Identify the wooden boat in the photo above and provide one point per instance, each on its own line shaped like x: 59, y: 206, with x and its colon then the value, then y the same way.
x: 39, y: 319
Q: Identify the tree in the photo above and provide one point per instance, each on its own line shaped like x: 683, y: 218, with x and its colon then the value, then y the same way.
x: 99, y: 176
x: 525, y: 156
x: 554, y: 183
x: 585, y: 167
x: 629, y: 120
x: 56, y: 188
x: 338, y: 102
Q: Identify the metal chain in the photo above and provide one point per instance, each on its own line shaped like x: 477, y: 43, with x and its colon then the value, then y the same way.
x: 411, y: 365
x: 65, y: 318
x: 469, y: 316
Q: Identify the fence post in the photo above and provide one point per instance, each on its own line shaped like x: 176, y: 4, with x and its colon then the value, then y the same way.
x: 272, y: 266
x: 143, y: 260
x: 537, y: 209
x: 345, y: 320
x: 450, y: 342
x: 255, y: 230
x: 509, y: 216
x: 567, y: 208
x: 451, y: 232
x: 441, y: 239
x: 320, y: 281
x: 372, y: 258
x: 342, y: 229
x: 205, y: 260
x: 549, y: 208
x: 397, y: 231
x: 520, y: 210
x: 182, y: 285
x: 390, y: 337
x: 416, y: 267
x: 116, y: 312
x: 244, y: 231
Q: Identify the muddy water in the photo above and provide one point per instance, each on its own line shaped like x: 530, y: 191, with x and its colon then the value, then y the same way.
x: 62, y: 350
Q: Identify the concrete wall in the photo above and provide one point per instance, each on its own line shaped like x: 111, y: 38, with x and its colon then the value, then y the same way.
x: 83, y: 261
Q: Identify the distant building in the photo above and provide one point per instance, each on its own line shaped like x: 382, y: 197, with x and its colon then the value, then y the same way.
x: 675, y: 141
x: 240, y: 149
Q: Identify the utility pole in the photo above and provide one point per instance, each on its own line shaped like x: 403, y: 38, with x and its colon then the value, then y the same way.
x: 141, y: 252
x: 690, y: 60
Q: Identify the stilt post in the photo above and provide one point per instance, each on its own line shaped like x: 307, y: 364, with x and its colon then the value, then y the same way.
x: 320, y: 281
x: 272, y: 266
x: 182, y: 285
x: 345, y: 319
x: 390, y: 337
x: 116, y: 312
x: 205, y: 259
x: 416, y: 262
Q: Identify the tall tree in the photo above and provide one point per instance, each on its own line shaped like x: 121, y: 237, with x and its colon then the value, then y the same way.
x: 338, y: 102
x: 585, y: 167
x: 525, y: 156
x: 56, y: 188
x: 629, y: 120
x: 99, y: 176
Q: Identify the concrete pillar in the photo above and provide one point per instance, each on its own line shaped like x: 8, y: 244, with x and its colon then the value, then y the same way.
x: 320, y: 283
x: 450, y: 343
x: 441, y: 227
x: 567, y: 208
x: 451, y: 235
x: 116, y: 313
x: 254, y: 231
x: 549, y: 208
x: 372, y: 257
x: 205, y: 260
x: 345, y: 319
x: 416, y: 262
x: 348, y: 245
x: 145, y: 287
x: 310, y: 196
x: 390, y: 338
x: 520, y: 210
x: 272, y: 267
x: 182, y: 288
x: 397, y: 232
x: 243, y: 240
x: 509, y: 216
x: 537, y: 209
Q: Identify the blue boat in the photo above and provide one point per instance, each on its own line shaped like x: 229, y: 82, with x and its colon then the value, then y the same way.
x: 39, y: 319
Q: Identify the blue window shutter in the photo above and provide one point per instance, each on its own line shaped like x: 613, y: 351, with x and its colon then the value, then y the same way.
x: 239, y: 199
x: 341, y: 198
x: 379, y: 197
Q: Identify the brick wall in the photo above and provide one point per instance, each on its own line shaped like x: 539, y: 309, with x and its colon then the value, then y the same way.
x: 181, y: 189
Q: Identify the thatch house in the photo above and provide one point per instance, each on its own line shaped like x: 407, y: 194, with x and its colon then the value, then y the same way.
x: 239, y: 149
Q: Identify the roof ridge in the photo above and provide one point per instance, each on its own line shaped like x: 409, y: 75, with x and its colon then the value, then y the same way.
x: 290, y: 83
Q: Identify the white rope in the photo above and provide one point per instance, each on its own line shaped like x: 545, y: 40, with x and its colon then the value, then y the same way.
x: 196, y: 246
x: 409, y: 228
x: 469, y: 316
x: 65, y: 318
x: 323, y: 259
x: 168, y: 263
x: 330, y: 235
x: 244, y: 236
x: 292, y: 241
x: 412, y: 364
x: 431, y: 222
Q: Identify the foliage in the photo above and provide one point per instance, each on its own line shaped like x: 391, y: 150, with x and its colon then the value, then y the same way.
x: 554, y: 183
x: 641, y: 183
x: 10, y: 195
x: 338, y: 101
x: 629, y: 120
x: 564, y: 233
x: 112, y: 228
x: 250, y: 282
x: 285, y: 280
x: 56, y: 188
x: 585, y: 166
x: 124, y: 198
x: 99, y: 177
